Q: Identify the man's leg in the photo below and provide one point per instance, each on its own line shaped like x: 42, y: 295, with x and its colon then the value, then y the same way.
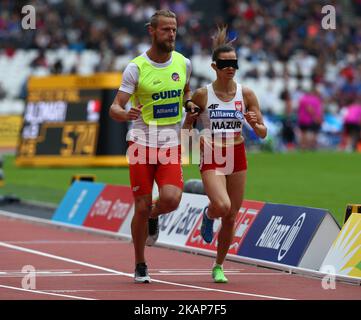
x: 169, y: 178
x: 168, y: 201
x: 141, y: 180
x: 139, y: 225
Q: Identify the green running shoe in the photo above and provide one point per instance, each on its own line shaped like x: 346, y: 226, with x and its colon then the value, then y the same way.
x: 218, y: 274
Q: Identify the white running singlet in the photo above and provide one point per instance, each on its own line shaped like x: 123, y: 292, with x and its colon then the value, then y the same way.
x: 222, y: 118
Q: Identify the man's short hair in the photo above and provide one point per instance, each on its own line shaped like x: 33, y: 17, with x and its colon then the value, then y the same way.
x: 160, y: 13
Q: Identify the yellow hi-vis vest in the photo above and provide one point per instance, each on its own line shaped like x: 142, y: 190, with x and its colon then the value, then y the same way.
x: 160, y: 90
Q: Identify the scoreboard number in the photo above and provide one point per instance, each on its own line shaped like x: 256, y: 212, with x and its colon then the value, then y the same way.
x: 79, y: 139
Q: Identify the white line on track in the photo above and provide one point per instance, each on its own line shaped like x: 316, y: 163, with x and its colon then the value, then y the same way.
x: 48, y: 293
x: 127, y: 290
x: 189, y: 269
x: 69, y: 242
x: 208, y: 274
x: 69, y: 274
x: 130, y: 275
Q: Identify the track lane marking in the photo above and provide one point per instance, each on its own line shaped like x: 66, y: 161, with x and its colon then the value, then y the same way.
x: 46, y: 293
x: 130, y: 275
x: 68, y: 274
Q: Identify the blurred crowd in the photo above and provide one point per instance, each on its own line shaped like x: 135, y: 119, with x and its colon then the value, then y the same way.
x: 263, y: 30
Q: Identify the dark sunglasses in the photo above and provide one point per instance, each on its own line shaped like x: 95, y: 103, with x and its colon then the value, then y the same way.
x: 226, y: 63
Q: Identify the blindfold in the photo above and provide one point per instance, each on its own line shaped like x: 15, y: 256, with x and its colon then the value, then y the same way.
x: 226, y: 63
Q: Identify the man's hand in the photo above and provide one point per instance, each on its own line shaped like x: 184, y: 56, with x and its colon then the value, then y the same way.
x: 118, y: 113
x: 134, y: 113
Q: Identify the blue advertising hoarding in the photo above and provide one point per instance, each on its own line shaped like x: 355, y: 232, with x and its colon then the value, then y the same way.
x: 77, y: 202
x: 281, y: 233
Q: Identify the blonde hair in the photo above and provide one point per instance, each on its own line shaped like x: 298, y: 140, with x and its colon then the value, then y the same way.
x: 221, y: 43
x: 160, y: 13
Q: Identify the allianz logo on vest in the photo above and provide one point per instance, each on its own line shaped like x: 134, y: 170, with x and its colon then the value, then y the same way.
x: 279, y: 236
x: 167, y: 94
x: 222, y: 114
x: 166, y: 110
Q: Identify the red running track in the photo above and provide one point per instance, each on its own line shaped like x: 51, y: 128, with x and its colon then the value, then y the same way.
x: 80, y: 265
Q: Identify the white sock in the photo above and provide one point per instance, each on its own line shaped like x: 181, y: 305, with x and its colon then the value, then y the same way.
x: 216, y: 264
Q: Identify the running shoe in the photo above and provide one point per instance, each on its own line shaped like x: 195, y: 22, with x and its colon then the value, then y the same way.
x: 207, y: 227
x: 141, y: 273
x: 153, y: 231
x: 218, y: 274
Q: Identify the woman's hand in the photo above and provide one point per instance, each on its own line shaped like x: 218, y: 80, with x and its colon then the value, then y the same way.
x: 251, y: 118
x: 192, y: 113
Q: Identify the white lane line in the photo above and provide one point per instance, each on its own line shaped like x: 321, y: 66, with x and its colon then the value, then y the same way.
x: 68, y: 274
x: 62, y: 275
x: 130, y: 275
x: 39, y: 270
x: 159, y: 290
x: 186, y: 269
x: 69, y: 242
x: 209, y: 272
x: 47, y: 293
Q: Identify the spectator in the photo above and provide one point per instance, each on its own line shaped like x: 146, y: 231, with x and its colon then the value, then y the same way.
x: 287, y: 132
x: 310, y: 117
x: 57, y: 68
x: 40, y: 60
x: 352, y: 125
x: 2, y: 92
x: 264, y: 32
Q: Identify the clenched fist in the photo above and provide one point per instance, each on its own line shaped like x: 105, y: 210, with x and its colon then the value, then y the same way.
x: 251, y: 118
x: 134, y: 113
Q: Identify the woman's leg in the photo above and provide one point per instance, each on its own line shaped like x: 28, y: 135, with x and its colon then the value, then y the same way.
x: 219, y: 204
x: 215, y: 187
x: 235, y: 190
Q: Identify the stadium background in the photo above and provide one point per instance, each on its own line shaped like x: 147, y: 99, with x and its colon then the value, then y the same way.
x: 283, y: 52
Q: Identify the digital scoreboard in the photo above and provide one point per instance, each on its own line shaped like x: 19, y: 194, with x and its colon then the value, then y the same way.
x: 66, y: 122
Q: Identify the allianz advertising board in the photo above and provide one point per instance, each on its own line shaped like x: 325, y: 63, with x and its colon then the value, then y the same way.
x: 281, y: 233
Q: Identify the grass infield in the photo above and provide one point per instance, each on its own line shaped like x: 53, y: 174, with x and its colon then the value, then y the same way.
x: 327, y: 180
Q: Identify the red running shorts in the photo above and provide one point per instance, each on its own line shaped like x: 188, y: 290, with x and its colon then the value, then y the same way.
x: 147, y: 164
x: 226, y: 160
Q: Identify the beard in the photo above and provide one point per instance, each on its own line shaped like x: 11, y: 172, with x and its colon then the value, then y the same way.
x: 165, y: 46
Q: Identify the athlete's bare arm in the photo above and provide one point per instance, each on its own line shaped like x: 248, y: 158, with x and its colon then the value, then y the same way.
x: 253, y: 114
x: 199, y: 99
x: 117, y: 109
x: 187, y: 92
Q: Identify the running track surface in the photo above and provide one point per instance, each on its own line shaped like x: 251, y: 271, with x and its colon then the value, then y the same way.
x: 79, y: 265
